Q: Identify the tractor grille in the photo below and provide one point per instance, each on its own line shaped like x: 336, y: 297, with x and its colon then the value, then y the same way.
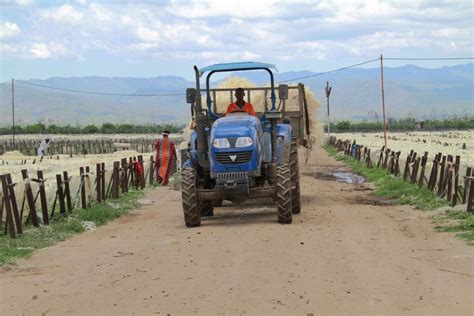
x: 240, y: 157
x: 232, y: 175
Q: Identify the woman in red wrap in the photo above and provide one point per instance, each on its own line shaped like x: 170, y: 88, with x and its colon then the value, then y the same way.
x: 165, y: 157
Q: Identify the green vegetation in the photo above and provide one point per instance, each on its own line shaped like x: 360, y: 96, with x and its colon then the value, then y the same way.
x: 63, y: 227
x: 462, y: 223
x: 407, y: 124
x: 106, y: 128
x: 405, y: 193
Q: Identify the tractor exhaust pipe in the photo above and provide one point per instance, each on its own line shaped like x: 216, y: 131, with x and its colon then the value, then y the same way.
x: 202, y: 146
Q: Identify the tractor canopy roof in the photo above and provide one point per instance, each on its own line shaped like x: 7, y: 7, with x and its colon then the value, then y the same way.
x: 247, y: 65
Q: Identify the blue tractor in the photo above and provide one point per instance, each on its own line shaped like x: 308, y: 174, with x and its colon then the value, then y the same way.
x: 238, y: 156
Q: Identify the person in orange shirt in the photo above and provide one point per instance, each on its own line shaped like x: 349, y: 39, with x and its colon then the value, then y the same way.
x: 240, y: 105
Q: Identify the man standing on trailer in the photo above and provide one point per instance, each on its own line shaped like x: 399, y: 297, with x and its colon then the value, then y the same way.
x: 240, y: 105
x: 165, y: 158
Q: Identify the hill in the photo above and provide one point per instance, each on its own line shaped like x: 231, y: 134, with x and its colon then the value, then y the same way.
x: 409, y: 91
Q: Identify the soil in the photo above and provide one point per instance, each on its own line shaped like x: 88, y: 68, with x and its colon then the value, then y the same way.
x: 348, y: 252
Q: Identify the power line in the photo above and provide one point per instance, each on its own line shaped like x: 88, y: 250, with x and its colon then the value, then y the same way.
x: 102, y: 93
x: 331, y: 71
x: 288, y: 80
x: 430, y: 58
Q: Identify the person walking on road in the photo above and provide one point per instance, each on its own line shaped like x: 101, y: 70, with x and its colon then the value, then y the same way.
x: 165, y: 157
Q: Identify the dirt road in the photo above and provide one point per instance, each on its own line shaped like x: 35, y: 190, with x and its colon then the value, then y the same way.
x: 346, y: 253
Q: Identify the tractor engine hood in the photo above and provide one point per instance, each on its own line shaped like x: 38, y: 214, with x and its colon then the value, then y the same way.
x: 236, y: 125
x: 230, y: 158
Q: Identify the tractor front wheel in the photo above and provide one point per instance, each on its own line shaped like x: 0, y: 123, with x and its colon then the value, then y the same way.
x: 283, y: 194
x: 192, y: 213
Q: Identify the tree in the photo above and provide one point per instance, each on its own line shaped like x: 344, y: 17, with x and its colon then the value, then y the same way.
x: 90, y: 129
x: 108, y: 128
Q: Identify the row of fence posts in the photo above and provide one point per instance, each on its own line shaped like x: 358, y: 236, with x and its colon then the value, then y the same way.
x: 125, y: 174
x: 443, y: 178
x: 79, y: 147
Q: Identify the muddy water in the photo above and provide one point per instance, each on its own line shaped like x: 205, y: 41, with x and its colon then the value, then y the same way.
x: 339, y: 176
x: 349, y: 177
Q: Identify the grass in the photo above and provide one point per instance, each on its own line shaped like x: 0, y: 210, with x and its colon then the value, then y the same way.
x: 462, y: 223
x: 62, y: 228
x: 402, y: 192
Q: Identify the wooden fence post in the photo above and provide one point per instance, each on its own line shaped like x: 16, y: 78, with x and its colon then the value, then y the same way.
x: 59, y: 182
x: 380, y: 157
x: 385, y: 160
x: 16, y: 214
x: 441, y: 175
x: 9, y: 225
x: 30, y: 199
x: 83, y: 188
x: 98, y: 185
x: 42, y: 195
x: 406, y: 171
x: 102, y: 181
x: 424, y: 160
x: 454, y: 197
x: 470, y: 194
x: 433, y: 173
x: 152, y: 170
x: 466, y: 185
x: 115, y: 180
x: 67, y: 191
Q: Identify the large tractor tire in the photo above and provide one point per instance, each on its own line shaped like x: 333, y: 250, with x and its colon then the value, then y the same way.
x: 191, y: 209
x: 295, y: 178
x: 283, y: 194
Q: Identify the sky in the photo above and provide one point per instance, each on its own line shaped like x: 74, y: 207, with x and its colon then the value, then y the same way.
x: 42, y: 39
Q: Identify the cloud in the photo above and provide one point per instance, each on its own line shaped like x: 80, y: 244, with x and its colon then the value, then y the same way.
x: 40, y: 50
x: 24, y: 2
x: 9, y: 29
x: 49, y: 50
x: 64, y: 14
x: 196, y: 30
x: 100, y: 12
x: 215, y: 8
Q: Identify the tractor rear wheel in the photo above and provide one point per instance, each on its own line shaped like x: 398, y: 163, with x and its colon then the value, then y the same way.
x: 295, y: 178
x: 191, y: 209
x: 283, y: 194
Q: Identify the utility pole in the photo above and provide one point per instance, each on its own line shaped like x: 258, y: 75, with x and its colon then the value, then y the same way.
x: 13, y: 112
x: 328, y: 93
x: 383, y: 103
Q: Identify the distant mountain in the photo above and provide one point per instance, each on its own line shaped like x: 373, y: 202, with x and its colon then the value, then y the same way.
x: 409, y: 90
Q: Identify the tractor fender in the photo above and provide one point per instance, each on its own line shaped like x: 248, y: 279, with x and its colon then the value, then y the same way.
x: 283, y: 143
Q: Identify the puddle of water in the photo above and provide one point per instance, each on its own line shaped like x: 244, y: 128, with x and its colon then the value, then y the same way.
x: 348, y: 177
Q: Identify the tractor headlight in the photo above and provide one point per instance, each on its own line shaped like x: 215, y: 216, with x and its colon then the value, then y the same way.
x: 244, y: 142
x: 221, y: 143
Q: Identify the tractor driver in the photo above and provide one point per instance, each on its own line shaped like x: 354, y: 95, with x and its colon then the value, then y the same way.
x: 240, y: 105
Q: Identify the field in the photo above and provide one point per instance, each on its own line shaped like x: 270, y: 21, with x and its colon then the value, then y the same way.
x: 446, y: 142
x: 67, y: 158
